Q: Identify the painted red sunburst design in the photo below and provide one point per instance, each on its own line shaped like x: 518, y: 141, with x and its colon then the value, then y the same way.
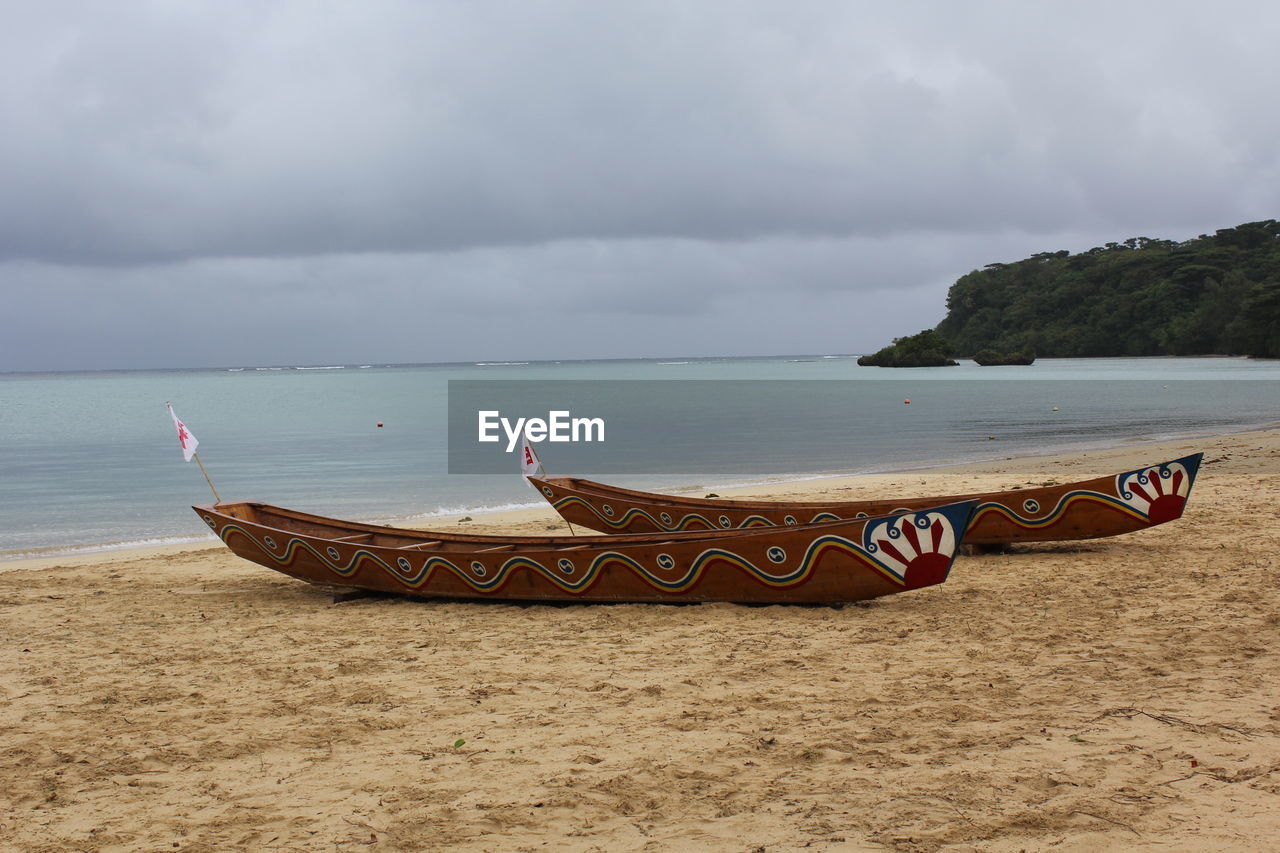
x: 927, y: 566
x: 1164, y: 504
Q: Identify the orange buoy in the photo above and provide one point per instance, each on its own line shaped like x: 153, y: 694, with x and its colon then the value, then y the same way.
x: 906, y: 402
x: 379, y: 424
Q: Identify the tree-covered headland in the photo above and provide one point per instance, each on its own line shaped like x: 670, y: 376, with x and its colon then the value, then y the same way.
x: 926, y: 349
x: 1215, y: 294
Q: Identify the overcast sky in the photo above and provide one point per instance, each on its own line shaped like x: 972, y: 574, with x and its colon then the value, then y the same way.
x: 247, y: 183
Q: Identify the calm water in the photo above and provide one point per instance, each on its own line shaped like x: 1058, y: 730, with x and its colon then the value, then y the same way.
x: 91, y: 459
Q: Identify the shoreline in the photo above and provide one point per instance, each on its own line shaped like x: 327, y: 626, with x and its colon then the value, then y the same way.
x: 1104, y: 695
x: 498, y: 519
x: 126, y: 511
x: 490, y: 518
x: 1066, y: 450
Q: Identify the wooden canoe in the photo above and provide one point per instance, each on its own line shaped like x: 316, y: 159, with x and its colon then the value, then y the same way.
x: 847, y: 560
x: 1106, y: 506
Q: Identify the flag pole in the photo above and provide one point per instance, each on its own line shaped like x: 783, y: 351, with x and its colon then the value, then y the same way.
x: 217, y: 498
x: 527, y: 457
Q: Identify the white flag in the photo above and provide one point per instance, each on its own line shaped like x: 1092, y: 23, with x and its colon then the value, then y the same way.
x: 530, y: 464
x: 185, y: 438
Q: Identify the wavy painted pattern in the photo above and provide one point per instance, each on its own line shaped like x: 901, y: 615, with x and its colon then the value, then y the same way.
x: 1149, y: 494
x: 930, y: 533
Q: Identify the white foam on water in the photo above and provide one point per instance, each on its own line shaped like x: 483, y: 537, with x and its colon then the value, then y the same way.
x: 78, y: 550
x: 449, y: 511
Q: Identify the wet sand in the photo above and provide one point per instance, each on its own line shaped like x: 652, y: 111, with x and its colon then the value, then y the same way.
x: 1114, y: 694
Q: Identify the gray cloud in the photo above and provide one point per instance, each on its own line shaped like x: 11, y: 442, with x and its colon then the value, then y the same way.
x: 601, y: 299
x: 637, y: 165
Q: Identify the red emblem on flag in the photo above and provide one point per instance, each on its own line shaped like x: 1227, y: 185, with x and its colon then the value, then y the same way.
x: 188, y: 441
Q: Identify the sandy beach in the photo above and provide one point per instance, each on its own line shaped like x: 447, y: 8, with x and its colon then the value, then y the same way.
x: 1117, y: 694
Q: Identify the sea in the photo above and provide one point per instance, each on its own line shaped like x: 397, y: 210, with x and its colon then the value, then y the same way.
x: 90, y: 461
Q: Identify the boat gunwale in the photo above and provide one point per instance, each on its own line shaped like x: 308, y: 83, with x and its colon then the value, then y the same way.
x: 604, y: 491
x: 471, y: 543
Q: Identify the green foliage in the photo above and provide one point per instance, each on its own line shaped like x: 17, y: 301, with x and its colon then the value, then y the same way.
x: 927, y: 349
x: 1216, y: 294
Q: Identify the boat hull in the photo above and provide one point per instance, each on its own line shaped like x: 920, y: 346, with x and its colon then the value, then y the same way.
x: 1090, y: 509
x: 832, y: 562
